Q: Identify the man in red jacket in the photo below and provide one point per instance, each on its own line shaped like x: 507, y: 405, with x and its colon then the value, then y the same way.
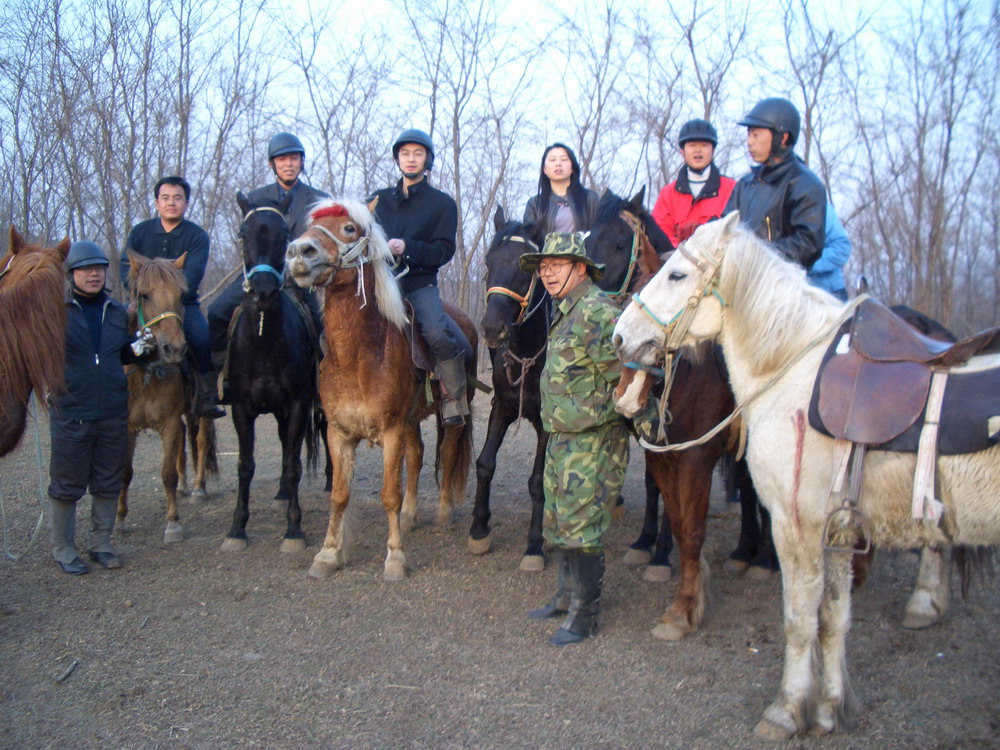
x: 700, y: 192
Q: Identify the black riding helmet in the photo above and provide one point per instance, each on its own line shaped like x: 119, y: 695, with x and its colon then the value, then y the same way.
x: 778, y: 115
x: 284, y: 143
x: 84, y: 253
x: 698, y: 130
x: 421, y: 139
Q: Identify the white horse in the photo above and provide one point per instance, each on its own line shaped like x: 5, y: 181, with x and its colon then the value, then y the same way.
x: 774, y: 329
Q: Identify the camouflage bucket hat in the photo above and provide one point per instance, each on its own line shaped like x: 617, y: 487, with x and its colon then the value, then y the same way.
x: 569, y: 246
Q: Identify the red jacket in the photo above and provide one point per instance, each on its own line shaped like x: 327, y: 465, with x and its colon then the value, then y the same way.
x: 678, y: 214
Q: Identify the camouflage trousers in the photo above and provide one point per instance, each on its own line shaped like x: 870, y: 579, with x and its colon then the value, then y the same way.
x: 584, y: 474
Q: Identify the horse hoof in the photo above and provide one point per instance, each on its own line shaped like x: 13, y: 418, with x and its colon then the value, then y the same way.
x: 321, y: 569
x: 532, y: 564
x: 773, y: 731
x: 635, y: 556
x: 735, y: 567
x: 173, y: 533
x: 407, y: 523
x: 657, y: 573
x: 919, y: 620
x: 293, y: 545
x: 199, y: 496
x: 669, y: 631
x: 394, y: 571
x: 480, y: 546
x: 233, y: 544
x: 279, y: 506
x: 444, y: 517
x: 759, y: 573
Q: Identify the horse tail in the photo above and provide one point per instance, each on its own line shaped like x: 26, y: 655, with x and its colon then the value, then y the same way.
x: 974, y: 562
x: 212, y: 452
x: 462, y: 461
x: 314, y: 427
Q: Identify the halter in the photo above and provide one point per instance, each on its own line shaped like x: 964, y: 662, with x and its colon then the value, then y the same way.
x: 349, y: 256
x: 263, y: 267
x: 143, y: 323
x: 522, y: 300
x: 623, y: 294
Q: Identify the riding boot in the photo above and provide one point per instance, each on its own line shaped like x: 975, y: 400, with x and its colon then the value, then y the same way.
x: 454, y: 404
x: 558, y: 604
x: 102, y: 524
x: 206, y: 403
x: 587, y: 570
x: 219, y: 361
x: 62, y: 535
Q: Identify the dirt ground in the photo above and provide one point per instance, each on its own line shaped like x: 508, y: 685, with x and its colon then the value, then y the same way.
x: 189, y: 646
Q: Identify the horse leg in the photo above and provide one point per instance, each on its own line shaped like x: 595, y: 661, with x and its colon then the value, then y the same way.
x: 126, y: 482
x: 658, y: 570
x: 182, y: 478
x: 750, y: 537
x: 172, y: 437
x: 500, y: 420
x: 929, y: 601
x: 765, y: 562
x: 803, y: 588
x: 686, y: 483
x: 837, y: 703
x: 243, y: 421
x: 640, y: 552
x: 414, y: 450
x: 201, y: 434
x: 447, y: 462
x: 292, y: 428
x: 333, y: 554
x: 392, y: 501
x: 533, y: 560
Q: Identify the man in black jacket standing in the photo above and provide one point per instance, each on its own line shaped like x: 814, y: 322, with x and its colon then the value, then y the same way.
x: 287, y: 157
x: 781, y: 199
x: 421, y: 223
x: 89, y: 419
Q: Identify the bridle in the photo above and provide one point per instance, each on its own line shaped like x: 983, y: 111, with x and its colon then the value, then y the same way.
x: 522, y: 300
x: 348, y: 255
x: 263, y: 267
x: 639, y: 239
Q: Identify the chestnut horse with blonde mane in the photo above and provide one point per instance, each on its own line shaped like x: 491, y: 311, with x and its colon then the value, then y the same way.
x: 159, y: 395
x: 32, y: 330
x: 369, y: 385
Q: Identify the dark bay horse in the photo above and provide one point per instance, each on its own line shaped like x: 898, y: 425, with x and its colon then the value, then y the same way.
x: 624, y: 237
x: 370, y: 388
x: 271, y: 368
x: 159, y: 396
x: 515, y: 326
x: 32, y: 330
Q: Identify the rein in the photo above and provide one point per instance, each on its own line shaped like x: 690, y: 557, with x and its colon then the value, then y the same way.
x: 526, y: 364
x: 522, y: 300
x: 622, y: 295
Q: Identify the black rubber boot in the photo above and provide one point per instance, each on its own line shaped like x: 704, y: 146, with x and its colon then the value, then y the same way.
x: 454, y: 404
x: 559, y: 604
x: 587, y: 571
x: 206, y: 403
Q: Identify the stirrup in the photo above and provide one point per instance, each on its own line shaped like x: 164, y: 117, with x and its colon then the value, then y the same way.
x: 853, y: 514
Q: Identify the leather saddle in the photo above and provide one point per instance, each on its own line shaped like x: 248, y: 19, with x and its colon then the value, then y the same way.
x: 420, y: 351
x: 875, y: 378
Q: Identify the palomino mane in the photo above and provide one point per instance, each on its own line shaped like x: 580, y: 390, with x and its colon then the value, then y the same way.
x: 32, y: 323
x: 387, y: 295
x: 156, y: 273
x: 773, y: 310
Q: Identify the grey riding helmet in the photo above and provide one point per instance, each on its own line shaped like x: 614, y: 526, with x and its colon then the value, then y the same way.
x: 698, y: 130
x: 284, y: 143
x: 415, y: 136
x: 85, y: 253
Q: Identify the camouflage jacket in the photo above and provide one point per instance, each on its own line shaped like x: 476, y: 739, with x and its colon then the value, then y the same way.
x: 581, y: 367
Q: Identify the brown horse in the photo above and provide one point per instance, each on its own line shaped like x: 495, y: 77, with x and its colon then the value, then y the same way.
x: 32, y: 330
x: 158, y: 392
x: 370, y: 388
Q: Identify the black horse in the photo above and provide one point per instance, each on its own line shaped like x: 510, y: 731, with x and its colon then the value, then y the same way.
x: 273, y: 353
x: 516, y: 331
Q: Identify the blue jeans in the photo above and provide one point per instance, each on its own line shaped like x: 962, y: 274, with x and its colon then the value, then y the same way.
x: 434, y: 324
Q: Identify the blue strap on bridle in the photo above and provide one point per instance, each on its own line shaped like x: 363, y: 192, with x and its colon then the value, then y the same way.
x: 657, y: 371
x: 264, y: 268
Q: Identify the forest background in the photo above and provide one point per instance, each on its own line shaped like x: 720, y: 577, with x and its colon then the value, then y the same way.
x: 100, y: 98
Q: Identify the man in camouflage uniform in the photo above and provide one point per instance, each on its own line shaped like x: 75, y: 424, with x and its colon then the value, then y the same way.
x: 587, y: 452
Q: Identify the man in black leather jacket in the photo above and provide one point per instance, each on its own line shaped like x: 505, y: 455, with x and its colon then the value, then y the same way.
x: 781, y: 199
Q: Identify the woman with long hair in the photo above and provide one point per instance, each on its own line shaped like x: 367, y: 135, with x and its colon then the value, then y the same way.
x: 562, y: 204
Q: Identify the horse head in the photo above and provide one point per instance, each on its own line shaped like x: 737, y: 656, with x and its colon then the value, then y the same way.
x: 627, y: 241
x: 512, y: 295
x: 156, y: 288
x: 263, y: 238
x: 681, y: 304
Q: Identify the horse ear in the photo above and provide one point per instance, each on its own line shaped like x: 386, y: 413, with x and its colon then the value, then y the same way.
x: 135, y: 260
x: 730, y: 222
x: 242, y: 202
x: 179, y: 263
x: 63, y: 247
x: 372, y: 204
x: 638, y: 203
x: 499, y: 219
x: 17, y: 242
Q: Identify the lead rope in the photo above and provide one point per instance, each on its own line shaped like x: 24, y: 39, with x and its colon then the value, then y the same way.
x: 41, y: 498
